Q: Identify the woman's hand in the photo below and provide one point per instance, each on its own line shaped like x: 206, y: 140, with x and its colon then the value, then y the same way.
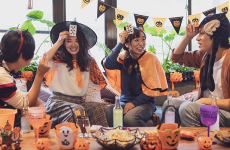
x: 43, y: 66
x: 192, y: 30
x: 123, y: 35
x: 206, y: 101
x: 128, y: 107
x: 63, y: 36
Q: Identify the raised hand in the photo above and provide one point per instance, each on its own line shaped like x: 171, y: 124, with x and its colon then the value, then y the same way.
x: 192, y: 30
x: 63, y: 36
x: 123, y: 35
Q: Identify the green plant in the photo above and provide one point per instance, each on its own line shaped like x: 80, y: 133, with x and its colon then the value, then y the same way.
x: 35, y: 15
x: 104, y: 47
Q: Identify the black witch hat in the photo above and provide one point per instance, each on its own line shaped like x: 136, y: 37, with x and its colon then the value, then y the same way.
x: 217, y: 26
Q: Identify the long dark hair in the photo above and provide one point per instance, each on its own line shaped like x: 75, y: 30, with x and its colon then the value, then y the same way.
x: 10, y: 43
x: 83, y: 56
x: 136, y: 34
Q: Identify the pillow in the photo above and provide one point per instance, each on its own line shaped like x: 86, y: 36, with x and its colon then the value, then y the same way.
x: 187, y: 96
x: 21, y: 84
x: 108, y: 94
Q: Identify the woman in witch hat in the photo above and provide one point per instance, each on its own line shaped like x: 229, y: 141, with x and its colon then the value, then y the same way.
x: 213, y: 59
x: 74, y: 74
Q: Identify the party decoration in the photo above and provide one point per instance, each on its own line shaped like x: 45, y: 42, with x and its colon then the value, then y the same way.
x: 150, y: 142
x: 176, y: 22
x: 197, y: 79
x: 194, y: 18
x: 204, y: 142
x: 224, y: 8
x: 159, y: 23
x: 43, y: 144
x: 169, y: 134
x: 140, y: 20
x: 81, y: 145
x: 120, y: 16
x: 210, y: 11
x: 85, y: 2
x: 45, y: 129
x: 175, y: 77
x: 102, y: 7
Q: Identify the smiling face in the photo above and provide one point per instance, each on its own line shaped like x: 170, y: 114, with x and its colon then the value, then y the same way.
x: 137, y: 45
x: 72, y: 45
x: 205, y: 42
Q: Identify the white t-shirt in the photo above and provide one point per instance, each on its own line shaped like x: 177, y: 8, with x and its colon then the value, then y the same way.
x: 217, y: 80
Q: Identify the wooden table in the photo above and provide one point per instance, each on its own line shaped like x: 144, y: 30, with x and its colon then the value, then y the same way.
x: 183, y: 145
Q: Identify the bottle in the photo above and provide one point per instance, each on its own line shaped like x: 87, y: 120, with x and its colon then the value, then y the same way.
x: 117, y: 113
x: 25, y: 124
x: 216, y: 125
x: 170, y: 112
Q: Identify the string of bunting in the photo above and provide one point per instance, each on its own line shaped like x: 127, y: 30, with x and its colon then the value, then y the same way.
x: 120, y: 15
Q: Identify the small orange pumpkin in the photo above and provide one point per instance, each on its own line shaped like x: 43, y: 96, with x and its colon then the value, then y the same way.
x: 43, y: 144
x: 82, y: 145
x: 204, y: 142
x: 150, y: 142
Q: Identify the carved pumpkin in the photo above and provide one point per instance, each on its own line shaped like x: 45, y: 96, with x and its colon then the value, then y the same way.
x: 195, y: 20
x: 174, y: 93
x: 82, y: 145
x: 45, y: 129
x: 86, y: 1
x: 140, y: 21
x: 120, y: 17
x: 204, y: 142
x: 150, y: 142
x: 176, y: 23
x: 43, y: 144
x: 169, y: 135
x: 159, y: 24
x: 225, y: 9
x: 102, y: 8
x: 7, y: 127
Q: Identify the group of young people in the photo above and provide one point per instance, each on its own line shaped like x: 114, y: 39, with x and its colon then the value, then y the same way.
x: 75, y: 79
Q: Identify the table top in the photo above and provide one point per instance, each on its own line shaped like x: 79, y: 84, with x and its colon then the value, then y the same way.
x: 183, y: 144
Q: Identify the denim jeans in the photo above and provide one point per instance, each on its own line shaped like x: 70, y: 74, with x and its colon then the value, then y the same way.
x: 135, y: 117
x: 190, y: 113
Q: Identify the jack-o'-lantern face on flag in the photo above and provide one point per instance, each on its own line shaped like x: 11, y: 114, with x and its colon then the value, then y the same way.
x: 102, y: 7
x: 176, y: 22
x: 140, y: 20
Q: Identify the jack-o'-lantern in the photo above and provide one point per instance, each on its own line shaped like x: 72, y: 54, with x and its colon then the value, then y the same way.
x: 43, y: 144
x: 120, y: 17
x: 45, y: 129
x: 82, y: 145
x: 225, y: 9
x: 7, y: 127
x: 195, y: 20
x: 86, y: 1
x: 159, y: 24
x: 102, y: 8
x: 140, y: 21
x: 174, y: 93
x: 169, y: 134
x: 150, y: 142
x: 204, y: 142
x: 176, y: 23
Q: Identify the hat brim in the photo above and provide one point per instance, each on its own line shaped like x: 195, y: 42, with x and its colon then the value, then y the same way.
x: 90, y: 35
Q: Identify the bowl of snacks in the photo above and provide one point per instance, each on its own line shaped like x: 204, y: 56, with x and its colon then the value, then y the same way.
x: 118, y: 138
x: 223, y: 136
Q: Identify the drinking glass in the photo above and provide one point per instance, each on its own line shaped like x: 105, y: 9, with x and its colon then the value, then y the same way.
x: 208, y: 114
x: 37, y: 117
x: 84, y: 126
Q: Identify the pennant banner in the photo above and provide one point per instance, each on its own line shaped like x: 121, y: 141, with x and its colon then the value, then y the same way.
x: 210, y: 12
x: 85, y: 2
x: 120, y: 16
x: 224, y: 8
x: 176, y: 22
x: 102, y: 7
x: 140, y: 20
x: 194, y: 18
x: 159, y: 23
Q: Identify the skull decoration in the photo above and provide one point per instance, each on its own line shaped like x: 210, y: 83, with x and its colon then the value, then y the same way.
x: 120, y: 17
x: 82, y: 145
x: 150, y: 142
x: 204, y: 142
x: 159, y: 24
x: 43, y: 144
x: 195, y: 20
x: 102, y: 8
x: 140, y: 21
x: 176, y: 23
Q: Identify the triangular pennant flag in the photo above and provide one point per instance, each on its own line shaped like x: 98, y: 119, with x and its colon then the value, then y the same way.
x: 120, y: 16
x: 194, y: 18
x: 85, y: 2
x: 224, y: 8
x: 176, y: 22
x: 159, y: 23
x: 140, y: 20
x: 102, y: 7
x: 210, y: 11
